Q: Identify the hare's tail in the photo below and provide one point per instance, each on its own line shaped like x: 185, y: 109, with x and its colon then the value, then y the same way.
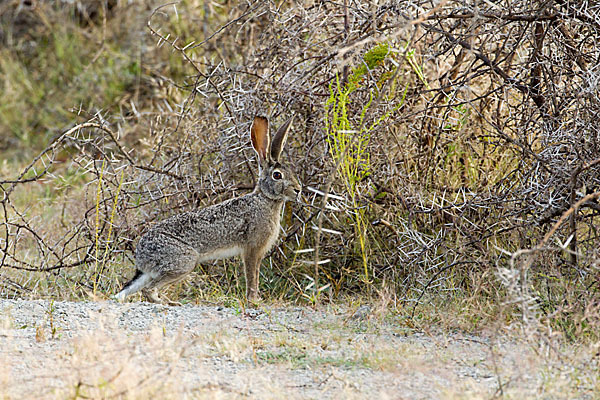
x: 139, y: 281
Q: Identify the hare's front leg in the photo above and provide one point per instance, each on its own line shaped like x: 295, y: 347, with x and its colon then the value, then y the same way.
x: 252, y: 261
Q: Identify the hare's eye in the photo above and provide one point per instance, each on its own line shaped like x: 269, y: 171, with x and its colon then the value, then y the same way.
x: 277, y: 175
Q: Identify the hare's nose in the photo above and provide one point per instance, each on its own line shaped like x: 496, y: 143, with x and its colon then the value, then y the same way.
x: 298, y: 190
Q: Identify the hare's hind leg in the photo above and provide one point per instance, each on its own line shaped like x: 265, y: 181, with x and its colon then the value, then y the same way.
x: 170, y: 270
x: 151, y: 292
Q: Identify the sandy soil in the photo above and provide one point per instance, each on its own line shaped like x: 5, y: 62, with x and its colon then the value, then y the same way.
x: 141, y: 350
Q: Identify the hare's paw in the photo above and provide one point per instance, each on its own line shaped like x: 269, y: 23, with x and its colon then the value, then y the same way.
x: 152, y: 296
x: 254, y: 301
x: 171, y: 302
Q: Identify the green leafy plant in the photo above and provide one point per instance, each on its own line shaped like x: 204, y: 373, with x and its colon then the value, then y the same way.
x: 348, y: 138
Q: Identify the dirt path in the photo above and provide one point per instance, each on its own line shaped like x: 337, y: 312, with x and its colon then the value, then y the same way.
x: 141, y: 350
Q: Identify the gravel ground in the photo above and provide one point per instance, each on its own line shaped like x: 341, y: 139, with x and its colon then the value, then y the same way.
x: 141, y: 350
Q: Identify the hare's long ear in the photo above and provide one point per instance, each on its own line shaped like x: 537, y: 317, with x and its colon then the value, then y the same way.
x: 279, y: 139
x: 259, y: 133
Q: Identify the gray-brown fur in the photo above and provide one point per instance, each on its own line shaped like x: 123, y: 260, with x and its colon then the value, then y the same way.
x: 246, y: 226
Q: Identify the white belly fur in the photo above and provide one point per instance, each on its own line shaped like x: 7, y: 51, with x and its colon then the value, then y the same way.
x: 219, y: 254
x: 271, y: 240
x: 274, y: 235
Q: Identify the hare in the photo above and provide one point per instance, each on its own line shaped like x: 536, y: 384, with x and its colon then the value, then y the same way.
x: 245, y: 226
